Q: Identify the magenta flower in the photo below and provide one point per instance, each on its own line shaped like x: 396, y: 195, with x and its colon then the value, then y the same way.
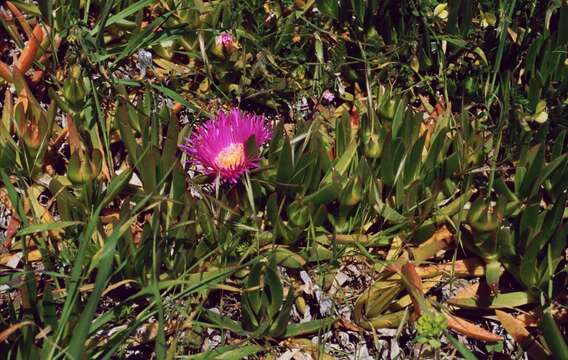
x: 225, y: 44
x: 328, y: 96
x: 218, y: 147
x: 225, y: 39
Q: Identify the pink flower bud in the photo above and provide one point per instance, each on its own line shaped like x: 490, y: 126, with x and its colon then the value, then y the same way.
x: 227, y: 42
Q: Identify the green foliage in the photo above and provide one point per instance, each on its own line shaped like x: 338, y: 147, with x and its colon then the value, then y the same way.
x: 443, y: 114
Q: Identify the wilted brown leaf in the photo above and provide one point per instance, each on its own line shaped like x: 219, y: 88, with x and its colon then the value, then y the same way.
x: 521, y: 335
x: 471, y: 267
x: 13, y: 226
x: 471, y: 330
x: 29, y: 53
x: 413, y: 284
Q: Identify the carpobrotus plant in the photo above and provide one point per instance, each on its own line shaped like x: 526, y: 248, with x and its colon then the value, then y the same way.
x: 219, y: 146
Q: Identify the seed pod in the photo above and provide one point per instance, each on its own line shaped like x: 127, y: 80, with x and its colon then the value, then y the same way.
x: 414, y: 64
x: 483, y: 217
x: 165, y: 49
x: 74, y: 88
x: 31, y: 126
x: 506, y: 244
x: 493, y: 272
x: 352, y: 192
x: 388, y: 109
x: 217, y: 50
x: 301, y: 305
x: 83, y: 168
x: 265, y: 238
x: 373, y: 147
x: 469, y: 85
x: 298, y: 213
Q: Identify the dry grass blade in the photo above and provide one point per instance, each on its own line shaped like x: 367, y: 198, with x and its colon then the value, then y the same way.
x: 5, y: 334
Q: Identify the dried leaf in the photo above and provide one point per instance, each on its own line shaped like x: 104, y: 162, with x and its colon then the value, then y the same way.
x: 521, y: 335
x: 471, y: 330
x: 467, y: 292
x: 441, y: 240
x: 406, y: 300
x: 528, y: 319
x: 472, y: 267
x: 375, y: 300
x: 33, y: 256
x: 13, y: 226
x: 391, y: 321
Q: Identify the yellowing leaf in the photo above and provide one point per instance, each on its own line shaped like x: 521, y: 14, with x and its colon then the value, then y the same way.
x: 499, y: 301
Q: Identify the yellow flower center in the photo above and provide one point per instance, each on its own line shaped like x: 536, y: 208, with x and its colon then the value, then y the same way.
x: 230, y: 156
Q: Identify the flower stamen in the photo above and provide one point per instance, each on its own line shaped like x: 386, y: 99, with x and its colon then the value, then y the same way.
x: 231, y: 156
x: 217, y: 147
